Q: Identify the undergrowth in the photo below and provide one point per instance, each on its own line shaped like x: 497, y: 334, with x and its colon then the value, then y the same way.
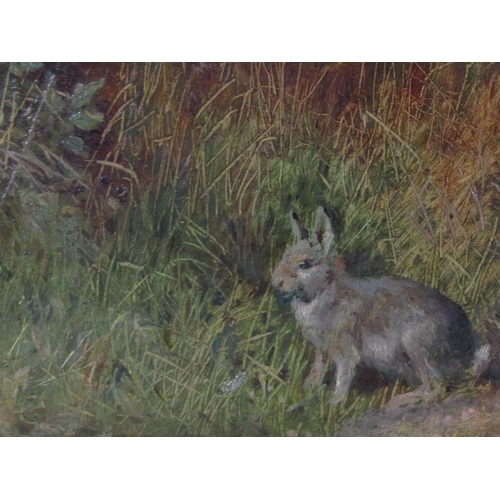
x: 134, y: 282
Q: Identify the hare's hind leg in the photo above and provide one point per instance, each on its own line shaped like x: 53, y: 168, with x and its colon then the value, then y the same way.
x: 430, y: 378
x: 417, y: 344
x: 417, y: 396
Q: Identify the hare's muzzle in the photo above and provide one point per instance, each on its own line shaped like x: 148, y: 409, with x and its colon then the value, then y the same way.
x: 283, y: 280
x: 277, y: 283
x: 283, y: 296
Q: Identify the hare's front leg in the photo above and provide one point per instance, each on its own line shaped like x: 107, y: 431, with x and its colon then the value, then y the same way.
x: 345, y: 368
x: 317, y: 372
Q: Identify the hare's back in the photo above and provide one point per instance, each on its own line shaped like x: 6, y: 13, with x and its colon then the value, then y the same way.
x: 426, y: 317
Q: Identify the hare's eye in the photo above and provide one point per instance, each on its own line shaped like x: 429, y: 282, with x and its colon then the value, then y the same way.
x: 306, y: 264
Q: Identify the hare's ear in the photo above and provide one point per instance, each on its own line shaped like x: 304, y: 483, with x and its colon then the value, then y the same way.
x: 323, y: 230
x: 298, y: 228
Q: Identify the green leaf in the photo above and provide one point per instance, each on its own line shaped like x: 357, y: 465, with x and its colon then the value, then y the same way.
x: 21, y: 68
x: 83, y: 93
x: 55, y: 101
x: 66, y: 128
x: 86, y: 120
x: 76, y: 145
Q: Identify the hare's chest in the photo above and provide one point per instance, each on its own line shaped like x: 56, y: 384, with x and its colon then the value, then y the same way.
x: 310, y: 316
x: 306, y: 312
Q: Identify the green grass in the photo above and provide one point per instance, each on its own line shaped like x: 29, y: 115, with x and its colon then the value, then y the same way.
x: 119, y: 347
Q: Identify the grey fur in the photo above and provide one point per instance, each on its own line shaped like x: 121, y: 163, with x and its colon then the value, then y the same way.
x: 395, y: 326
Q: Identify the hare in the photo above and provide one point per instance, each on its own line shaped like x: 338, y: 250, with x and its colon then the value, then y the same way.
x: 395, y: 326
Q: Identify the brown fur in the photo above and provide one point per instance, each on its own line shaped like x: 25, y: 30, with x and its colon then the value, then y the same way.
x: 394, y: 326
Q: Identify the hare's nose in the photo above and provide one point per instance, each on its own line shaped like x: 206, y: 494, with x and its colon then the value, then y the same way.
x: 279, y: 284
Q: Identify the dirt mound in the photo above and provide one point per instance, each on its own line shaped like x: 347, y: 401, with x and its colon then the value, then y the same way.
x: 457, y: 415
